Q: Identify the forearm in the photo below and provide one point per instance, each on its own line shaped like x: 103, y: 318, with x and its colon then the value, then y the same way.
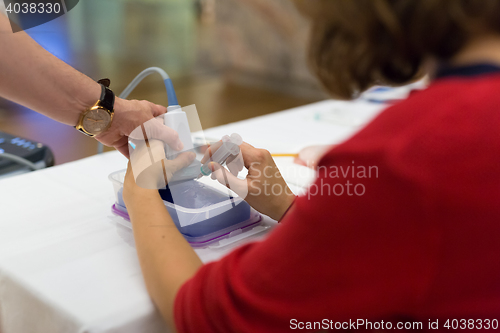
x: 33, y: 77
x: 167, y: 260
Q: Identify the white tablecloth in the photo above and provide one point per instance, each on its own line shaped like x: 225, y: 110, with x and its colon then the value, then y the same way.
x: 67, y: 266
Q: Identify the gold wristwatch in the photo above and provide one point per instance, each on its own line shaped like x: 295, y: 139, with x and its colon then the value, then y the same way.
x: 98, y: 118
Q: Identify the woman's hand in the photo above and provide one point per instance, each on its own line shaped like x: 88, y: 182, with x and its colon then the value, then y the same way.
x: 130, y: 114
x: 264, y: 188
x: 159, y: 173
x: 132, y: 192
x: 310, y: 156
x: 167, y: 260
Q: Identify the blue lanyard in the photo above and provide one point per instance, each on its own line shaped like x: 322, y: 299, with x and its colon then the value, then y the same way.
x: 466, y: 71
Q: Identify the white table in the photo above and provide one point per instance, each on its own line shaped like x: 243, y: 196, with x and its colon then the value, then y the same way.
x: 67, y: 266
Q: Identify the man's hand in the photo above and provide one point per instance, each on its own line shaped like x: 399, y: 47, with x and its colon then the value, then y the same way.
x: 129, y: 114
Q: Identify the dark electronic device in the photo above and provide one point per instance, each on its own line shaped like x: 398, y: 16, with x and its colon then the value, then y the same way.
x: 20, y: 155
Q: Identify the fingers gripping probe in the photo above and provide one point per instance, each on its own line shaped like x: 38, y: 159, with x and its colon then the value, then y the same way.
x: 172, y: 97
x: 230, y: 147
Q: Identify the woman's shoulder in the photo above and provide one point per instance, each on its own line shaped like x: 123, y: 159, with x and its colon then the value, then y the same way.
x: 451, y: 111
x: 444, y: 136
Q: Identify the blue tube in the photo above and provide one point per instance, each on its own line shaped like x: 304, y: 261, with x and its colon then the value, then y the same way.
x: 172, y: 98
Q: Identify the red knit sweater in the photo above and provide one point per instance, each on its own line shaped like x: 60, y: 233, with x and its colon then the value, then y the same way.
x: 418, y: 239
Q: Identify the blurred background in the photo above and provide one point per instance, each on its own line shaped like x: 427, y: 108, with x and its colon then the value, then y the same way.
x: 234, y: 59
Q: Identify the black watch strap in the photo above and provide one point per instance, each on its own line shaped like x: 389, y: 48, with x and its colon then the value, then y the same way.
x: 107, y: 96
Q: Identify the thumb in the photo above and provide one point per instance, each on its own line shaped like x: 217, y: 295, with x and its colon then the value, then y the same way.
x: 157, y: 110
x: 226, y: 178
x: 170, y: 167
x: 166, y: 134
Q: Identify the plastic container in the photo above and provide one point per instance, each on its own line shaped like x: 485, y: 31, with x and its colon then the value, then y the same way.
x: 204, y: 215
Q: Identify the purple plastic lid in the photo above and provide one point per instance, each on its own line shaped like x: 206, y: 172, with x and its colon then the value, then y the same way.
x: 209, y: 238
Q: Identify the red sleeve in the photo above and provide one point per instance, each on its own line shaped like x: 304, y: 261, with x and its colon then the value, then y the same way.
x: 359, y: 254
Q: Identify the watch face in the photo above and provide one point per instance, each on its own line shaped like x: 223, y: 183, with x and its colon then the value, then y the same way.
x: 96, y: 121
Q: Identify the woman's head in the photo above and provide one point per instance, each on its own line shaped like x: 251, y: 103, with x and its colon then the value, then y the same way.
x: 356, y: 44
